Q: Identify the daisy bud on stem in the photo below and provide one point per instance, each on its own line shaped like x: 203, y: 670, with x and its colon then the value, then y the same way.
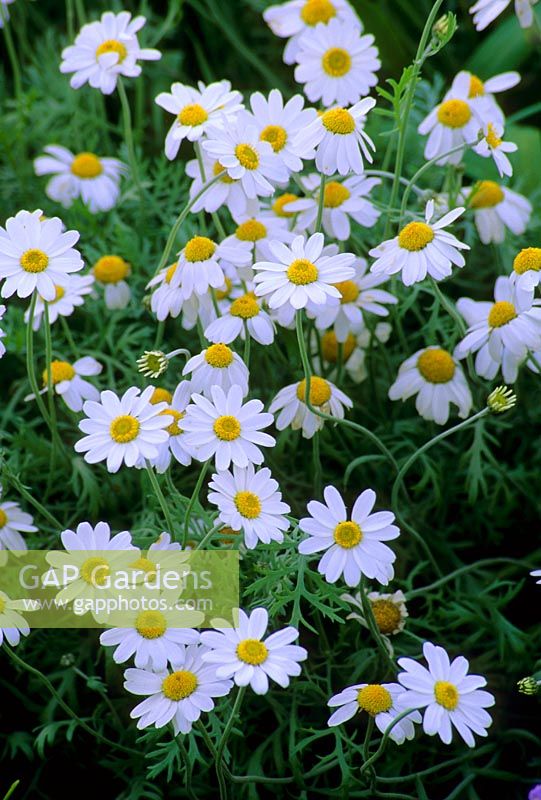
x: 502, y: 399
x: 528, y: 685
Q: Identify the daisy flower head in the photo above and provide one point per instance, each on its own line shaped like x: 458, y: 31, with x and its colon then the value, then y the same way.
x: 258, y: 228
x: 196, y: 109
x: 225, y: 192
x: 12, y: 624
x: 68, y: 381
x: 200, y: 264
x: 438, y: 380
x: 493, y: 146
x: 175, y: 446
x: 291, y: 403
x: 250, y: 502
x: 450, y: 697
x: 336, y: 64
x: 526, y: 273
x: 380, y: 701
x: 13, y: 523
x: 105, y: 50
x: 67, y: 298
x: 486, y: 11
x: 496, y: 208
x: 227, y: 429
x: 243, y: 317
x: 354, y: 547
x: 218, y: 365
x: 122, y: 429
x: 340, y: 139
x: 96, y: 180
x: 36, y: 255
x: 500, y: 332
x: 421, y: 248
x: 482, y: 94
x: 389, y: 610
x: 241, y: 653
x: 178, y: 694
x: 111, y: 271
x: 301, y: 273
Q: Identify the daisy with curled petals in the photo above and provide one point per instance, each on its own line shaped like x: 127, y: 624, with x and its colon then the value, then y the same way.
x: 450, y: 697
x: 291, y: 403
x: 493, y: 146
x: 438, y: 380
x: 246, y: 158
x: 225, y: 192
x: 301, y: 273
x: 380, y: 701
x: 421, y: 249
x: 178, y: 694
x: 502, y: 332
x: 244, y: 317
x: 227, y: 429
x: 106, y: 50
x: 196, y: 109
x: 526, y: 274
x: 67, y: 298
x: 94, y: 179
x: 35, y: 254
x: 12, y: 624
x: 14, y: 522
x: 122, y: 429
x: 496, y: 208
x: 175, y: 446
x: 454, y: 122
x: 354, y: 547
x: 242, y: 654
x: 251, y: 502
x: 486, y: 11
x: 336, y: 64
x: 218, y: 365
x: 111, y: 271
x: 67, y: 381
x: 482, y: 94
x: 389, y: 610
x: 200, y: 264
x: 340, y: 140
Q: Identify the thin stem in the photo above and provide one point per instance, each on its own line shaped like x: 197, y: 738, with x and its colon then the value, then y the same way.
x: 128, y: 136
x: 29, y: 497
x: 316, y: 458
x: 461, y: 571
x: 373, y: 627
x: 68, y: 335
x: 208, y: 536
x: 49, y: 373
x: 247, y: 342
x: 229, y: 725
x: 321, y: 201
x: 193, y: 500
x: 161, y: 499
x: 385, y: 738
x: 449, y: 307
x: 381, y: 173
x: 12, y: 54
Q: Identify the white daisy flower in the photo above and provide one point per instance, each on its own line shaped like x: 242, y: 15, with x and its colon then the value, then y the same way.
x: 176, y: 695
x: 389, y: 610
x: 336, y: 64
x: 67, y: 380
x: 486, y: 11
x: 354, y: 547
x: 105, y: 50
x: 421, y: 248
x: 94, y: 179
x: 290, y: 402
x: 502, y: 332
x: 246, y: 158
x: 438, y: 380
x: 67, y: 298
x: 379, y: 700
x: 12, y: 624
x: 218, y: 365
x: 175, y: 446
x: 450, y: 696
x: 196, y: 109
x: 2, y: 333
x: 301, y: 273
x: 258, y: 229
x: 14, y: 522
x: 111, y: 271
x: 122, y: 430
x: 453, y: 122
x: 526, y: 274
x: 244, y: 315
x: 250, y: 501
x: 340, y: 139
x: 226, y: 191
x: 227, y: 429
x: 482, y: 94
x: 536, y: 573
x: 496, y: 208
x: 493, y: 146
x: 242, y: 654
x: 200, y: 264
x: 35, y: 254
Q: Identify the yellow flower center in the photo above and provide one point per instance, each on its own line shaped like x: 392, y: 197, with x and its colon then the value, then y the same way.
x: 301, y: 272
x: 200, y: 248
x: 3, y: 518
x: 170, y: 272
x: 446, y: 694
x: 86, y: 165
x: 501, y: 313
x: 349, y: 291
x: 247, y: 155
x: 252, y: 651
x: 347, y: 534
x: 227, y: 428
x: 192, y: 115
x: 387, y: 615
x: 486, y: 194
x: 59, y: 294
x: 280, y: 202
x: 144, y: 565
x: 320, y: 391
x: 336, y: 62
x: 454, y: 113
x: 124, y: 428
x: 221, y: 294
x: 218, y: 169
x: 338, y: 120
x: 95, y: 571
x: 245, y: 307
x: 374, y: 698
x: 60, y: 371
x: 110, y: 269
x: 315, y: 11
x: 112, y: 46
x: 529, y: 258
x: 491, y: 138
x: 150, y: 624
x: 34, y: 260
x: 477, y: 87
x: 160, y: 395
x: 251, y: 231
x: 179, y: 684
x: 275, y: 135
x: 436, y: 365
x: 335, y: 194
x: 219, y: 356
x: 415, y: 236
x: 329, y: 347
x: 174, y: 429
x: 248, y: 504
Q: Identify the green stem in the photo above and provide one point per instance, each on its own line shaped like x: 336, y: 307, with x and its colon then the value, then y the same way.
x: 385, y: 738
x: 161, y: 499
x: 321, y: 201
x: 48, y: 362
x: 192, y: 502
x: 67, y: 334
x: 14, y: 61
x: 373, y: 627
x: 247, y: 342
x: 461, y: 571
x: 128, y: 136
x: 29, y: 497
x: 208, y: 536
x: 229, y: 725
x: 316, y: 458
